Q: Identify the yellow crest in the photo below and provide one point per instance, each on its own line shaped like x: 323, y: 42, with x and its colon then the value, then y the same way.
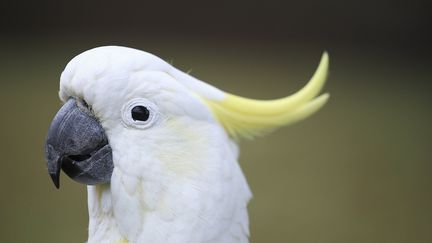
x: 248, y: 117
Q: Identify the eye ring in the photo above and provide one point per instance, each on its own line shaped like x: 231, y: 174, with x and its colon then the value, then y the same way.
x: 139, y: 121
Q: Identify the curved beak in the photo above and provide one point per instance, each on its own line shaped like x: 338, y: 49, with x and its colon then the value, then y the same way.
x: 77, y: 144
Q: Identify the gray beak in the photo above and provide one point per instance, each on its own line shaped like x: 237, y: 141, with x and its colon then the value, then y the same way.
x: 77, y: 144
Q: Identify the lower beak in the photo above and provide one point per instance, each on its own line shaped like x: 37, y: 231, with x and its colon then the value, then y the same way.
x: 77, y: 143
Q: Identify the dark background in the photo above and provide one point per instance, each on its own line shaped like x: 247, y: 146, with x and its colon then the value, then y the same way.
x: 357, y: 171
x: 387, y: 23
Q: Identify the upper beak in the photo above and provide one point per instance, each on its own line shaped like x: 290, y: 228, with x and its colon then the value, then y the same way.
x: 77, y: 143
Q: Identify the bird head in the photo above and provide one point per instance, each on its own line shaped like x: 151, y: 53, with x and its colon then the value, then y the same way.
x: 125, y: 103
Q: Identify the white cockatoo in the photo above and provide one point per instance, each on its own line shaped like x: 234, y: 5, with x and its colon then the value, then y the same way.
x: 158, y: 147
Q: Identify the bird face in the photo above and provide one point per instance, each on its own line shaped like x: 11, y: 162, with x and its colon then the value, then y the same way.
x: 129, y: 110
x: 118, y: 114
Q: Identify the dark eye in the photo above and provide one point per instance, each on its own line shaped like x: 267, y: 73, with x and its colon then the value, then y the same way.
x: 140, y: 113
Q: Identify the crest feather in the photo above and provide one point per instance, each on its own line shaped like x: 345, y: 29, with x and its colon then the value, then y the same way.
x: 249, y: 118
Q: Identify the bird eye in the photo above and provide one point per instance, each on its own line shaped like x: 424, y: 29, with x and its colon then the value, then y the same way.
x: 140, y: 113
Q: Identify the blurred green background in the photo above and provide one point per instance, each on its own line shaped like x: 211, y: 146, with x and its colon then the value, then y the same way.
x: 357, y: 171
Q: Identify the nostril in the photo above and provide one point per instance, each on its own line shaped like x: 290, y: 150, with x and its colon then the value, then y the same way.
x: 80, y: 157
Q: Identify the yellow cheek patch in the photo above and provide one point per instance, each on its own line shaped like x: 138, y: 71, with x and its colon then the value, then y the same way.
x: 248, y: 117
x: 187, y: 147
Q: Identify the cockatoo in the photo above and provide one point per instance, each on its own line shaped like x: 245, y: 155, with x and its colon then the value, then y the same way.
x: 158, y: 147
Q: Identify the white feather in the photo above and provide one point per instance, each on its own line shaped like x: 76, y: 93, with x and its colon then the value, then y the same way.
x: 177, y: 181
